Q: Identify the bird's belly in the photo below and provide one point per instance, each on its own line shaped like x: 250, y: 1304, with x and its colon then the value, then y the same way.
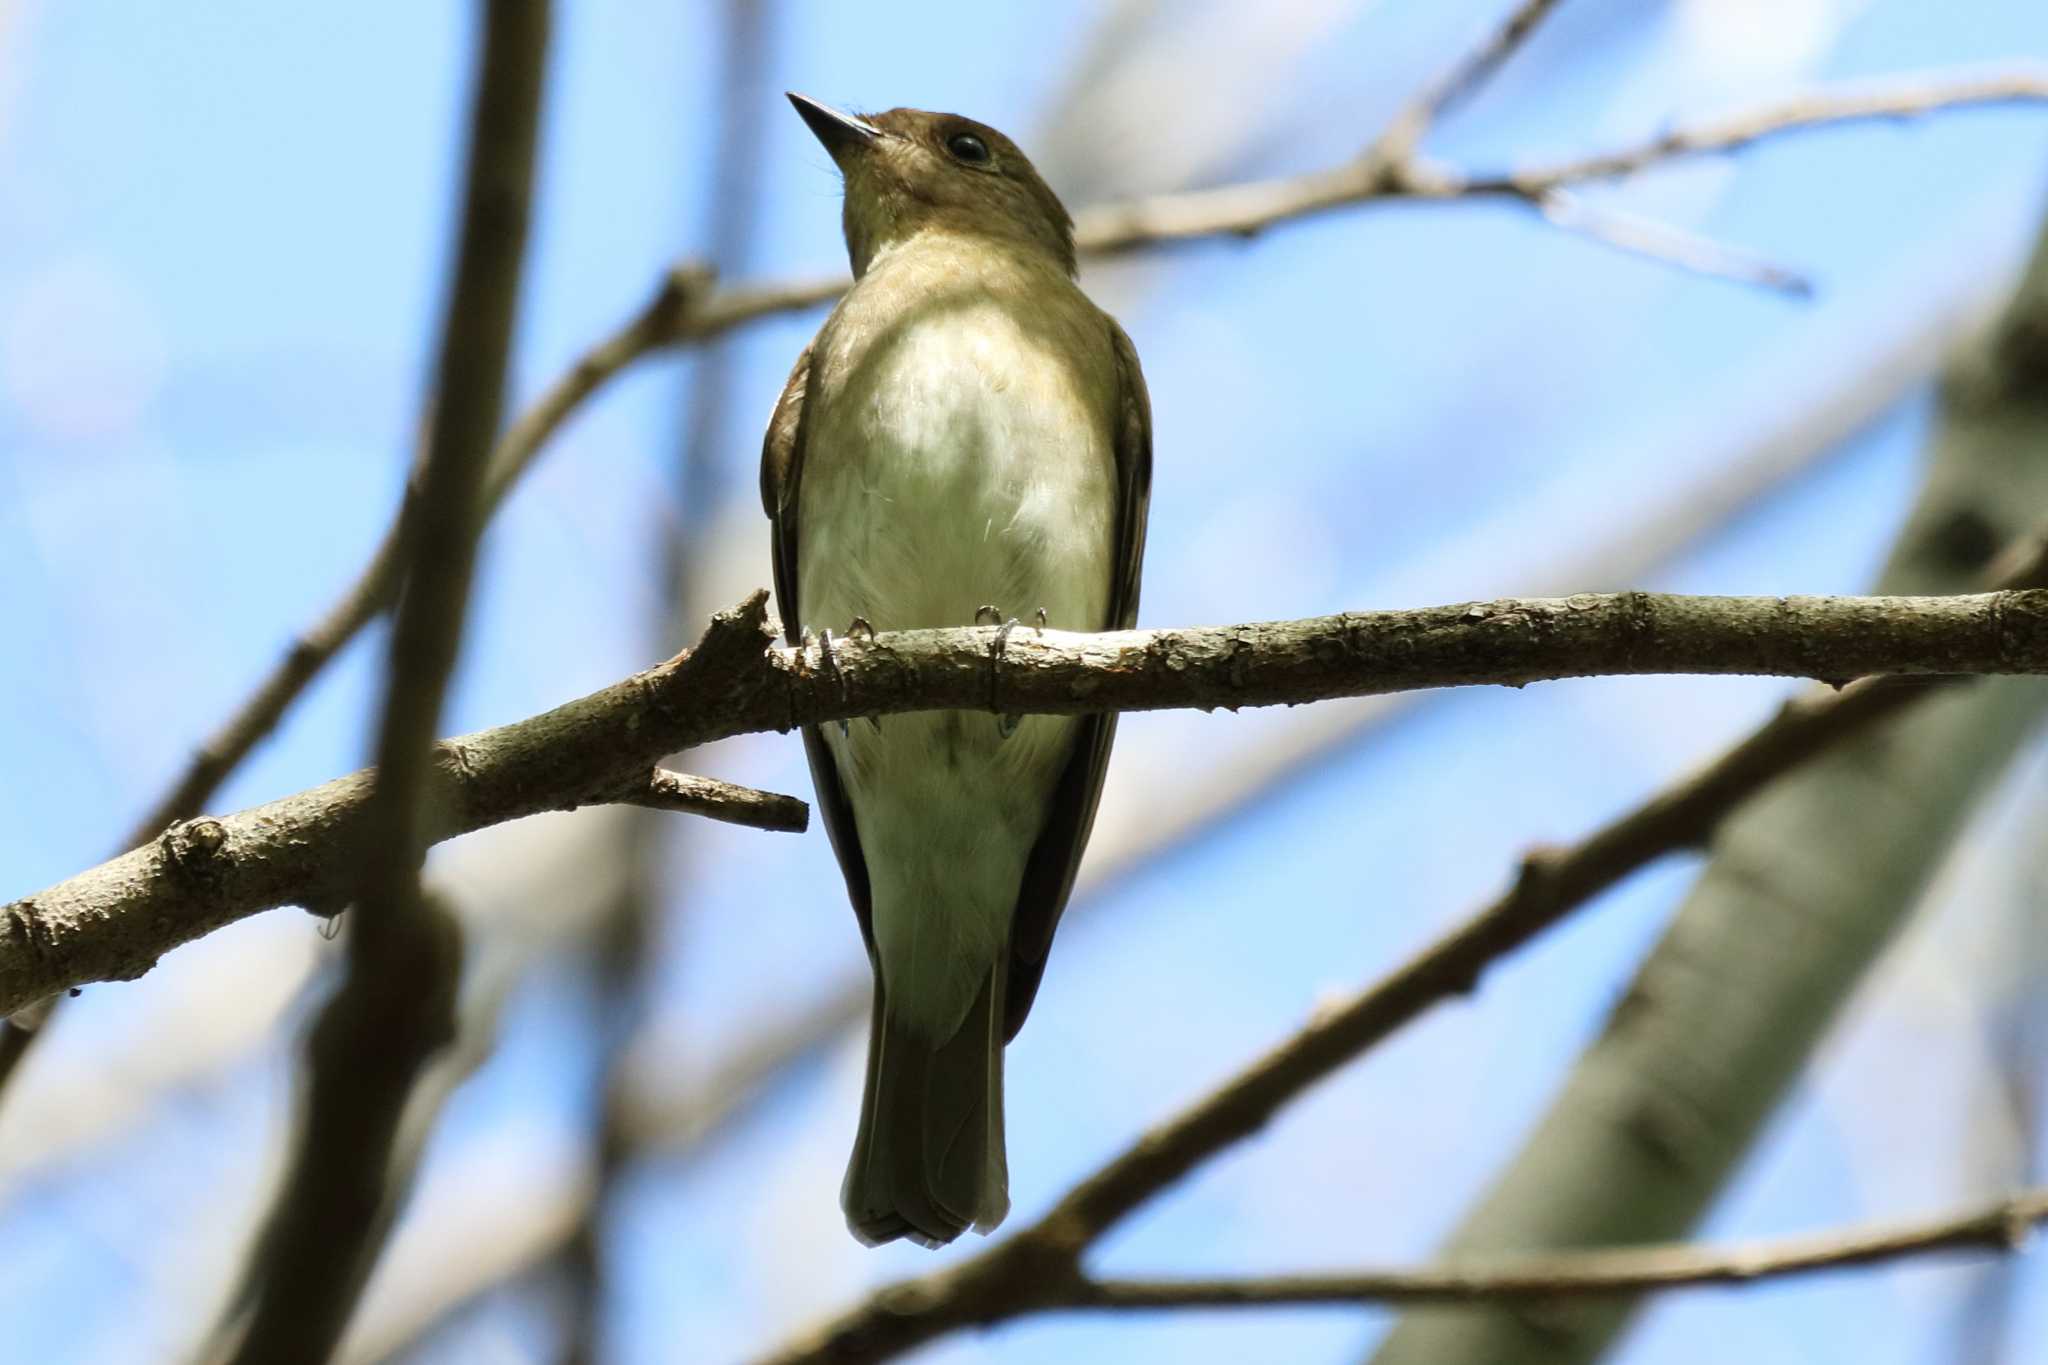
x: 927, y: 495
x: 942, y: 493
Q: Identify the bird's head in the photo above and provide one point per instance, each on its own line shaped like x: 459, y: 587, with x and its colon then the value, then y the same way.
x: 910, y: 170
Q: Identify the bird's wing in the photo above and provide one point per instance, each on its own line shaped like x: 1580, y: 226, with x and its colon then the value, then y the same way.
x: 782, y: 463
x: 1056, y: 857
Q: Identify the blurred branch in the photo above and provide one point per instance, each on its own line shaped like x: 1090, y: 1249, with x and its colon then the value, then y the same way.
x: 395, y: 1007
x: 112, y: 922
x: 2003, y: 1227
x: 1007, y: 1279
x: 1246, y: 209
x: 1636, y: 235
x: 1398, y: 144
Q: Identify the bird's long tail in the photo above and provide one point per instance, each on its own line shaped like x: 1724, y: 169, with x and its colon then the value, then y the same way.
x: 928, y: 1161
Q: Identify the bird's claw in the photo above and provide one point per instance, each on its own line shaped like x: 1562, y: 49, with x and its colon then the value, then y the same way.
x: 1006, y: 724
x: 860, y: 625
x: 831, y: 663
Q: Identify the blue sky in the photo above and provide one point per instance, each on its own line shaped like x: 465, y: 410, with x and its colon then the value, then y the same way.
x: 222, y: 237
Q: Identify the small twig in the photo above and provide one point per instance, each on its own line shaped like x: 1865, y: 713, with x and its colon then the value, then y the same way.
x: 1887, y: 100
x: 1669, y: 245
x: 1398, y: 144
x: 2000, y: 1228
x: 715, y: 800
x: 395, y: 1007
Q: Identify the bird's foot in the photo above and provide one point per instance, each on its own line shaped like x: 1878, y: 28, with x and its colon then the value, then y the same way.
x: 1006, y: 724
x: 858, y: 626
x: 831, y: 663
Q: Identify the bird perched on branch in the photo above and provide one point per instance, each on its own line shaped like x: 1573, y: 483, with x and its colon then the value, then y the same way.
x: 966, y: 439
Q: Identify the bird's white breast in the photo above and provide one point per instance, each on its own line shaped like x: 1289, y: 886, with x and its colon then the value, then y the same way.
x: 959, y: 462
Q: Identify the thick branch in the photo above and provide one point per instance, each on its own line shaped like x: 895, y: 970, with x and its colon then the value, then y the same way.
x: 112, y: 922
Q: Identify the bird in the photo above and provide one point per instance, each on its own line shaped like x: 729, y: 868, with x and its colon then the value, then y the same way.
x: 968, y: 438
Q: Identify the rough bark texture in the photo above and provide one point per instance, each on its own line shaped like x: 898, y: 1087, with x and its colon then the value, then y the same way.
x: 1805, y: 887
x: 114, y: 921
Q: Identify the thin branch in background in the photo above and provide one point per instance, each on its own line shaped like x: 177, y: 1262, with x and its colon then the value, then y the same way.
x: 1398, y: 145
x: 1009, y: 1278
x: 1247, y: 209
x: 395, y: 1007
x: 1653, y: 240
x: 1888, y: 100
x: 2001, y: 1228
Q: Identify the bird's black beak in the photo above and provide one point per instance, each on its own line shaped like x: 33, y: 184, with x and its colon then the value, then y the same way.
x: 840, y: 132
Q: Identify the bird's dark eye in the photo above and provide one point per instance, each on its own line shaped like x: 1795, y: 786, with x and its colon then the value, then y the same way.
x: 969, y: 148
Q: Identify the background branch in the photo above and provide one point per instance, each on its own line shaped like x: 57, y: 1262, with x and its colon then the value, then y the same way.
x: 2003, y: 1227
x: 395, y: 1007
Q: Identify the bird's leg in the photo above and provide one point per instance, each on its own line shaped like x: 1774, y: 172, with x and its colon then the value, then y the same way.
x: 1041, y: 620
x: 1006, y: 725
x: 831, y: 662
x: 860, y: 625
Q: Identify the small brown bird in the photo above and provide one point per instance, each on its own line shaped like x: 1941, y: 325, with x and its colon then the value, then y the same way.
x: 967, y: 435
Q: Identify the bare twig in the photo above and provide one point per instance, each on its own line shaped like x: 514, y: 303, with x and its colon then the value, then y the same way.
x: 1398, y: 144
x: 110, y: 923
x: 1659, y: 241
x: 1246, y: 209
x: 1014, y: 1276
x: 715, y: 800
x: 2002, y: 1227
x: 1883, y: 100
x: 396, y: 1005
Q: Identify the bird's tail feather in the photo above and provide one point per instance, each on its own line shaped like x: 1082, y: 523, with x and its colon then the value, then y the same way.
x: 928, y: 1161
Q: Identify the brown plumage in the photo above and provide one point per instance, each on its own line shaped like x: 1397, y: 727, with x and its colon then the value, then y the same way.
x: 965, y: 425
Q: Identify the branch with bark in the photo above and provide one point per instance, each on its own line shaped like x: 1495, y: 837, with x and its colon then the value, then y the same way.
x: 111, y: 923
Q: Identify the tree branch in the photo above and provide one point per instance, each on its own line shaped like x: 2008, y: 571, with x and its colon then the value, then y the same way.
x: 111, y: 923
x: 1246, y: 209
